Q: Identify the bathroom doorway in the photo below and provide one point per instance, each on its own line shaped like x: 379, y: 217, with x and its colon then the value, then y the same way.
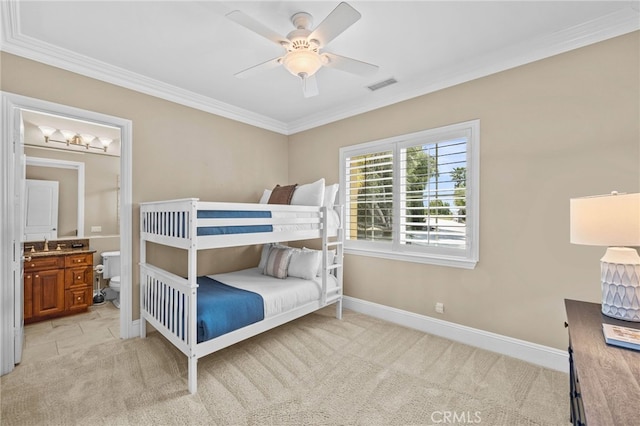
x: 14, y: 109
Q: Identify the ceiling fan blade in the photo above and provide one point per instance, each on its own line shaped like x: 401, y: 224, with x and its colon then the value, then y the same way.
x: 310, y: 86
x: 257, y: 69
x: 257, y: 27
x: 341, y: 18
x: 350, y: 65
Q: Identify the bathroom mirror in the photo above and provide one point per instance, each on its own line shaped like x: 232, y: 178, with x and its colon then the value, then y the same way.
x: 88, y: 190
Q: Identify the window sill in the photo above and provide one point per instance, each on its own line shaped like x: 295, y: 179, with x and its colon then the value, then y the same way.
x: 453, y: 262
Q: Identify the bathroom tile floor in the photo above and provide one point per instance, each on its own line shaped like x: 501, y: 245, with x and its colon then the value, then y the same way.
x: 64, y: 335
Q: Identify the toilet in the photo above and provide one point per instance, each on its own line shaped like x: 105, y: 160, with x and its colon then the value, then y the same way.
x: 111, y: 263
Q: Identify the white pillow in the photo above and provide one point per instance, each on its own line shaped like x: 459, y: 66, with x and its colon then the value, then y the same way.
x: 265, y: 196
x: 330, y: 192
x: 304, y: 264
x: 331, y: 255
x: 311, y: 194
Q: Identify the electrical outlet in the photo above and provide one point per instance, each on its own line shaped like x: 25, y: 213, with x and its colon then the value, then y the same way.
x: 96, y: 229
x: 440, y: 308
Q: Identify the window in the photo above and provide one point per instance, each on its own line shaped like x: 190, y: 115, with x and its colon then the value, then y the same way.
x: 414, y: 197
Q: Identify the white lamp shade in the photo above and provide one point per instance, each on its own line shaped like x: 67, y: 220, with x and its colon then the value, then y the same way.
x: 87, y: 138
x: 46, y: 130
x: 606, y: 220
x: 105, y: 141
x: 68, y: 134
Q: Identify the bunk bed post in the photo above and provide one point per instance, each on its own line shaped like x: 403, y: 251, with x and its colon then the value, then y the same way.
x: 340, y: 259
x: 143, y: 260
x: 193, y: 301
x: 325, y: 248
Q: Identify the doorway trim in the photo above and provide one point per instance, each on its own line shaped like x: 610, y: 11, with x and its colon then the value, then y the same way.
x: 64, y: 164
x: 10, y: 246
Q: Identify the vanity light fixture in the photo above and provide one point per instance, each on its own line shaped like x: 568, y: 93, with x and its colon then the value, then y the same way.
x: 73, y: 138
x: 47, y: 132
x: 105, y: 142
x: 86, y: 139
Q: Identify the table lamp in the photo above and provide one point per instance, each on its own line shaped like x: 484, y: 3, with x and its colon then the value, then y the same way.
x: 614, y: 221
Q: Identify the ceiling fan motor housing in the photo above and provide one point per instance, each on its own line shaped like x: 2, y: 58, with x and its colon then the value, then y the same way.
x: 302, y: 20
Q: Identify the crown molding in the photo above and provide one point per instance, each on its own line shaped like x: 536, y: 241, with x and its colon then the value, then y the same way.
x: 14, y: 42
x: 612, y: 25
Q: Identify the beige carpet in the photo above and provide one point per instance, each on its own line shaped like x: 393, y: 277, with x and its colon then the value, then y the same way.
x: 314, y: 371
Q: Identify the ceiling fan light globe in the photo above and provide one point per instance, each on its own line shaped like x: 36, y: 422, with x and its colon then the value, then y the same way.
x: 302, y: 62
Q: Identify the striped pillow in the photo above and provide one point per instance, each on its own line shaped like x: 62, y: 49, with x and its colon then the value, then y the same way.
x: 277, y: 262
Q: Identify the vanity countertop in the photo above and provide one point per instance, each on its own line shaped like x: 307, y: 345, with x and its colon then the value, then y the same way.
x: 61, y: 252
x: 64, y: 248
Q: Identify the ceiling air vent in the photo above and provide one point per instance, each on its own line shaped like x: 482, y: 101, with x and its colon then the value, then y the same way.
x: 380, y: 85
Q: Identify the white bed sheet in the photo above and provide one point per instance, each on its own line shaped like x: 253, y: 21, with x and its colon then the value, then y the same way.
x: 279, y: 295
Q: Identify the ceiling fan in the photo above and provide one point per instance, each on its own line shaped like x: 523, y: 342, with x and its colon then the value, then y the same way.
x: 304, y: 54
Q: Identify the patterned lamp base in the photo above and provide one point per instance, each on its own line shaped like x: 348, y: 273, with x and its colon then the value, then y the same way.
x: 620, y: 273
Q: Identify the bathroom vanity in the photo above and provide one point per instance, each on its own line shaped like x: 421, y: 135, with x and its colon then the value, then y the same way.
x: 57, y: 282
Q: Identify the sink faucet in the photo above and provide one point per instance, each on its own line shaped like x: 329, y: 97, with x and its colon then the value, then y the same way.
x: 46, y: 244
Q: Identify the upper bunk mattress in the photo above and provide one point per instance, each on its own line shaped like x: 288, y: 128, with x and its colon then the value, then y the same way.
x: 279, y: 295
x: 232, y: 214
x: 333, y: 221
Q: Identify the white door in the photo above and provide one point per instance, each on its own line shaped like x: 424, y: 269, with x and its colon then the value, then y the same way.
x: 18, y: 265
x: 41, y: 210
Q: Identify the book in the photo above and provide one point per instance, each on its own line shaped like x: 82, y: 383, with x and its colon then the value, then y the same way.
x: 625, y: 337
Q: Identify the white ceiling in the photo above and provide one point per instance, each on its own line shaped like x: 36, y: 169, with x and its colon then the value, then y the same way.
x: 188, y: 52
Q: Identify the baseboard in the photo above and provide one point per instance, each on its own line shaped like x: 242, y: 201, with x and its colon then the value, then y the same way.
x: 134, y: 328
x: 530, y: 352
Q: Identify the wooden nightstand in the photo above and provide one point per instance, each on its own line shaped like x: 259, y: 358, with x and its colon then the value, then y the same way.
x: 605, y: 379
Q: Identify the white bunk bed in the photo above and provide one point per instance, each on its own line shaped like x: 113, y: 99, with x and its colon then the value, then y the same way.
x: 168, y: 302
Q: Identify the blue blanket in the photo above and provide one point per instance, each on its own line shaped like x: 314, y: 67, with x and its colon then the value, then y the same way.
x: 225, y: 214
x: 222, y: 308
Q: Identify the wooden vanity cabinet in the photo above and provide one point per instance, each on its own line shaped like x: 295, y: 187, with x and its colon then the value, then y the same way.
x: 43, y: 287
x: 57, y: 285
x: 78, y: 282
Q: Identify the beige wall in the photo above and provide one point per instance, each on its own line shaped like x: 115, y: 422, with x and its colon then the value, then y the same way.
x: 178, y: 152
x: 562, y: 127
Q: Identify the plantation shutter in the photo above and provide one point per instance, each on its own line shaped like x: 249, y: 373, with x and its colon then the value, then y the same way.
x: 414, y: 197
x: 369, y: 193
x: 433, y: 194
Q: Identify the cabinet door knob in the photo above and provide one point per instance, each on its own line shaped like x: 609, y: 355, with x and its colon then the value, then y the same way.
x: 79, y: 277
x: 37, y: 276
x: 79, y: 298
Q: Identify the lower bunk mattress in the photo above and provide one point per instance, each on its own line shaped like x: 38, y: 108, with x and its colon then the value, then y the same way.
x: 227, y: 302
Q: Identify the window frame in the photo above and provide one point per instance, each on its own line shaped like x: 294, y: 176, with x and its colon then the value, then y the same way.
x: 466, y: 258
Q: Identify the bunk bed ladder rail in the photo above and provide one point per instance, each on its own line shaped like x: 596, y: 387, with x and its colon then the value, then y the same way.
x: 335, y: 294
